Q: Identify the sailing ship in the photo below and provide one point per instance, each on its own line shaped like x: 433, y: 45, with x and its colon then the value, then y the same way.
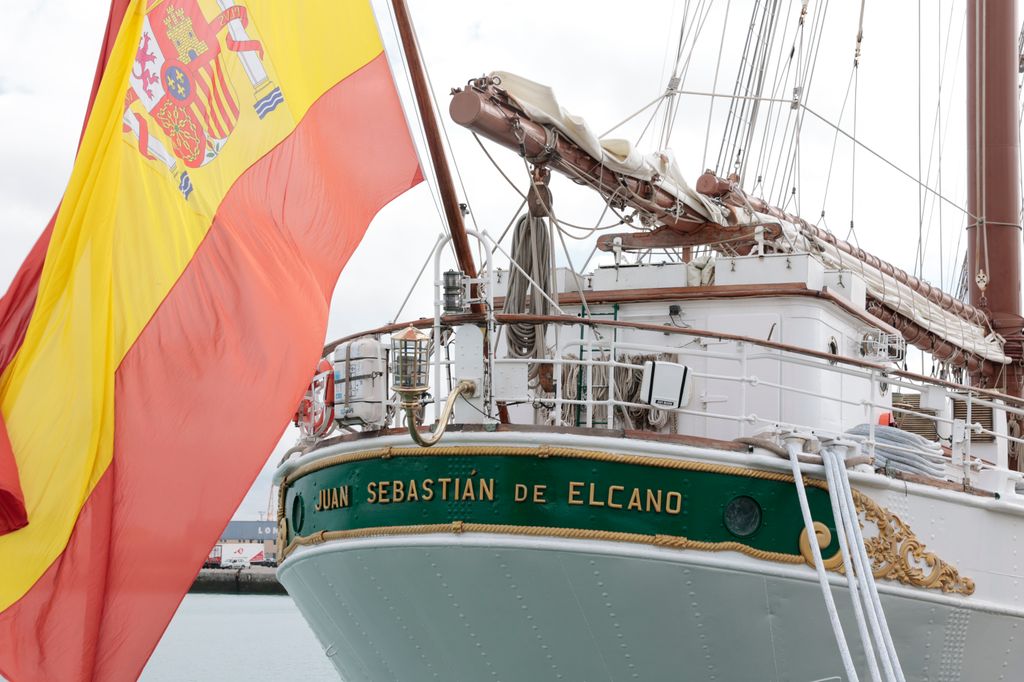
x: 717, y: 466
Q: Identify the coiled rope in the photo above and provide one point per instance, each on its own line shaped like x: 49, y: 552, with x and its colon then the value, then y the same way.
x: 531, y: 249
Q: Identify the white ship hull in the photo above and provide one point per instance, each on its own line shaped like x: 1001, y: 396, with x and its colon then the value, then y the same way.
x: 481, y: 607
x: 509, y: 606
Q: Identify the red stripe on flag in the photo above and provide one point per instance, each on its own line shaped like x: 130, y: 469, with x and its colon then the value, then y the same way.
x: 216, y: 87
x: 202, y: 396
x: 223, y: 84
x: 210, y: 115
x: 17, y: 304
x: 200, y: 110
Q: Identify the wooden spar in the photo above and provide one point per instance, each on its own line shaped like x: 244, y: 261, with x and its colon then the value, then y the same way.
x: 438, y: 158
x: 486, y: 109
x: 993, y: 157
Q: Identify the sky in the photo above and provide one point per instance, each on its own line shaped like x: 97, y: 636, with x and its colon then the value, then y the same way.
x: 605, y: 59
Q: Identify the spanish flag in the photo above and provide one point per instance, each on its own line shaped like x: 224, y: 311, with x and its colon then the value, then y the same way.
x: 160, y: 334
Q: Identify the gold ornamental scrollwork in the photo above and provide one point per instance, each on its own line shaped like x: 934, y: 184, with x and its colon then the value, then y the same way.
x: 824, y: 536
x: 897, y: 554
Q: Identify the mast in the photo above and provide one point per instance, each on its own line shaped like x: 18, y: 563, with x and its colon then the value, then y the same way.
x: 438, y: 158
x: 993, y: 157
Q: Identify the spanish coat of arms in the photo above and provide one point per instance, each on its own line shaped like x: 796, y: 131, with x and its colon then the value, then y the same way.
x: 180, y: 80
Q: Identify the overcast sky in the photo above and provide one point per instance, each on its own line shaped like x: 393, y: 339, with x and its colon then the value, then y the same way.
x: 605, y: 60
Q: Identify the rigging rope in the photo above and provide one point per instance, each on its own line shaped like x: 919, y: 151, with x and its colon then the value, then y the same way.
x: 835, y: 141
x: 688, y: 33
x: 750, y: 64
x: 623, y: 220
x: 802, y: 94
x: 919, y: 264
x: 783, y: 78
x: 531, y: 249
x: 939, y: 137
x: 755, y: 108
x: 418, y: 124
x: 714, y: 87
x: 782, y: 69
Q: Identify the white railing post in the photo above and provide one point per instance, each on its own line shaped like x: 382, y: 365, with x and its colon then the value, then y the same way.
x: 610, y: 410
x: 589, y: 365
x: 970, y: 427
x: 489, y: 292
x: 872, y: 417
x: 743, y: 388
x: 556, y: 375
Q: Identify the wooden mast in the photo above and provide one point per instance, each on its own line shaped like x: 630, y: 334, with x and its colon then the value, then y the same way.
x: 993, y: 158
x: 438, y: 158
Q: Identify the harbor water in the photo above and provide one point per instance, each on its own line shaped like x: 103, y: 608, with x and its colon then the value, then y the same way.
x: 227, y: 637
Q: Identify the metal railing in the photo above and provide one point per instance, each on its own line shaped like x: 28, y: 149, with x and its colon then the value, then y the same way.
x: 589, y: 352
x: 596, y: 400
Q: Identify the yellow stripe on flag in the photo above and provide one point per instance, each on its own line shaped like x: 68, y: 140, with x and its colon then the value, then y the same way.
x: 125, y: 233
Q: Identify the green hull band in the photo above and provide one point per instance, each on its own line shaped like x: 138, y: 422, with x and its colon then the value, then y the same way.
x: 559, y: 493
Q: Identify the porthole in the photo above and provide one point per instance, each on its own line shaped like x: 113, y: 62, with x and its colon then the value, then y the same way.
x: 742, y: 516
x: 298, y: 514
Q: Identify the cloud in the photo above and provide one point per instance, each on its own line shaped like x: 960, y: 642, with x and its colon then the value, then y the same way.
x: 7, y: 88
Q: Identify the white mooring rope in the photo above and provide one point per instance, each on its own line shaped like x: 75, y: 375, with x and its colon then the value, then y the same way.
x: 854, y: 573
x: 873, y: 629
x: 794, y: 448
x: 869, y: 591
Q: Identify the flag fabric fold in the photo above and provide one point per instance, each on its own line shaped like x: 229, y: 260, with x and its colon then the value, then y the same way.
x: 17, y: 304
x: 12, y: 501
x: 164, y: 327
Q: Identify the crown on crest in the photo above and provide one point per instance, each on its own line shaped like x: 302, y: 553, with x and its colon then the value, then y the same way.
x: 175, y: 17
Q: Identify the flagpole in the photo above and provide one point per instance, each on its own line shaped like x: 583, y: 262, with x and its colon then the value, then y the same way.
x: 438, y: 158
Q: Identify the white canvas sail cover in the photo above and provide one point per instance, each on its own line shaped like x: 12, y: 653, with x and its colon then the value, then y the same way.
x: 541, y: 105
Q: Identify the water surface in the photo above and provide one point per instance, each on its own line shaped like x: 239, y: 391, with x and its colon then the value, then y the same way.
x: 224, y: 638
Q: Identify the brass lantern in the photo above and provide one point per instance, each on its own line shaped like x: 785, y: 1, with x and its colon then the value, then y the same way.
x: 410, y: 365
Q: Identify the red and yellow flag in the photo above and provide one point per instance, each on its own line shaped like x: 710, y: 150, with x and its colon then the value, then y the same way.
x: 159, y: 336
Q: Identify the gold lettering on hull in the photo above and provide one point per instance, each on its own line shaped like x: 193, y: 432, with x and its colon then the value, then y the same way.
x: 473, y: 489
x: 429, y: 489
x: 487, y: 489
x: 521, y: 493
x: 612, y: 489
x: 649, y: 500
x: 333, y: 498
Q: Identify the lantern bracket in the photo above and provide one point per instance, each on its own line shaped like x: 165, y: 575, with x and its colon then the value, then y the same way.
x: 465, y: 386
